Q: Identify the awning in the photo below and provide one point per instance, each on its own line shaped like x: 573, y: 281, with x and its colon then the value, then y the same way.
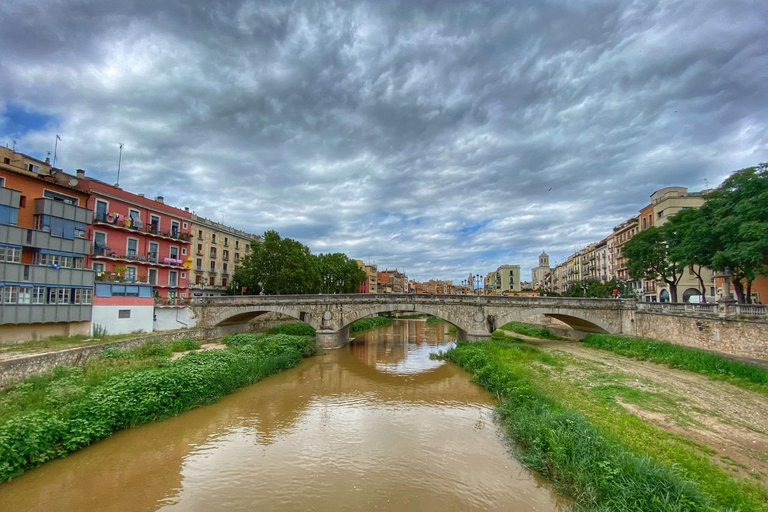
x: 45, y: 285
x: 62, y: 253
x: 10, y: 245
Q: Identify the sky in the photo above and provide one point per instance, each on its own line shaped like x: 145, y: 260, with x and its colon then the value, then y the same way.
x: 436, y: 137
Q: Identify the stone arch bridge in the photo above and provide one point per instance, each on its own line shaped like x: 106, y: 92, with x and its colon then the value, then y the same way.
x: 475, y: 317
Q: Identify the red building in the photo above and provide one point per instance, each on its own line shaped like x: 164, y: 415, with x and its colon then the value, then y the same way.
x: 137, y: 240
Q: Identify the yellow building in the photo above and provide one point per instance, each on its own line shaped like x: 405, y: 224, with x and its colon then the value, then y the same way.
x: 216, y: 250
x: 371, y: 284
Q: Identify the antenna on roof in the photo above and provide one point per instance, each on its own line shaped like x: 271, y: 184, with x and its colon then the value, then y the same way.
x: 119, y: 162
x: 55, y: 149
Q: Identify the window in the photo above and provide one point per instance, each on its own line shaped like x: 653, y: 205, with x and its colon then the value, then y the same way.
x: 98, y: 268
x: 135, y: 218
x: 174, y: 253
x: 213, y: 252
x: 224, y: 282
x: 100, y: 244
x: 183, y: 251
x: 124, y: 313
x: 83, y: 296
x: 213, y: 237
x: 132, y: 248
x: 154, y: 248
x: 213, y: 266
x: 183, y: 275
x: 199, y: 265
x: 2, y: 179
x: 38, y: 295
x: 225, y: 254
x: 10, y: 254
x: 52, y: 292
x: 33, y: 167
x: 130, y: 274
x: 237, y: 244
x: 226, y: 241
x: 152, y: 276
x: 102, y: 207
x: 237, y: 257
x: 154, y: 224
x: 64, y: 295
x: 58, y: 227
x: 224, y: 269
x: 8, y: 215
x: 173, y: 278
x: 186, y: 225
x: 49, y: 194
x: 200, y: 234
x: 199, y: 248
x: 174, y: 229
x: 10, y: 294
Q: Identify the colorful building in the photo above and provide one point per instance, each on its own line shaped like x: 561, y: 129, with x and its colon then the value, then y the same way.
x: 370, y: 284
x: 46, y: 286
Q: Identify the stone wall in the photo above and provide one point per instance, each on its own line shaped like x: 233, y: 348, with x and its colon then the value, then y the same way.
x: 743, y: 338
x: 14, y: 370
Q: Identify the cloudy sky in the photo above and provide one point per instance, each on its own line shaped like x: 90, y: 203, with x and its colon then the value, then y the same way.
x: 440, y: 137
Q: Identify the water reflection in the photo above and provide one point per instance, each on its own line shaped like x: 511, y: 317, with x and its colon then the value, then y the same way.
x: 375, y: 425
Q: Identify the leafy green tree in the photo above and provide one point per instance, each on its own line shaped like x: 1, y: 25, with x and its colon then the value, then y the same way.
x: 279, y: 266
x: 649, y: 257
x: 339, y: 274
x: 736, y: 213
x: 694, y: 242
x: 285, y: 266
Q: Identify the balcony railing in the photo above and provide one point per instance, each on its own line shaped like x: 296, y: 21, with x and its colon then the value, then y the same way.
x: 150, y: 258
x: 128, y: 224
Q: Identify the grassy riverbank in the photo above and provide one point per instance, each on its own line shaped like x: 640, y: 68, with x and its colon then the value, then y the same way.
x: 49, y: 416
x: 742, y: 374
x: 594, y: 449
x: 531, y: 330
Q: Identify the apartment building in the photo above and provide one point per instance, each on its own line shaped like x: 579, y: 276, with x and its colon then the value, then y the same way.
x: 392, y: 281
x: 46, y: 288
x: 218, y: 249
x: 370, y: 284
x: 665, y: 203
x: 508, y: 279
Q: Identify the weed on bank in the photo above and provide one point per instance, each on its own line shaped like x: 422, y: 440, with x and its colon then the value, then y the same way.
x: 587, y: 448
x: 52, y: 415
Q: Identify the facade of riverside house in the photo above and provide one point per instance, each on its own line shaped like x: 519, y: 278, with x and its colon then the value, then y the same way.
x: 507, y: 279
x: 140, y: 254
x: 392, y: 281
x: 622, y: 234
x: 45, y: 286
x: 216, y: 250
x: 665, y: 203
x: 370, y: 285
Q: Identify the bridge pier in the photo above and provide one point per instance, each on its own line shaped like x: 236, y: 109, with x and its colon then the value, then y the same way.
x: 462, y: 335
x: 332, y: 339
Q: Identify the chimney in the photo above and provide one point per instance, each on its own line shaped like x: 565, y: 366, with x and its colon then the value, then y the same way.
x: 186, y: 208
x: 80, y: 173
x: 160, y: 199
x: 140, y: 195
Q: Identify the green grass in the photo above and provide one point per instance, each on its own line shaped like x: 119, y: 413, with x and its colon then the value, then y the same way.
x: 594, y: 450
x: 531, y: 330
x: 294, y: 329
x: 185, y: 344
x: 369, y: 323
x: 49, y: 416
x: 64, y: 342
x: 713, y: 365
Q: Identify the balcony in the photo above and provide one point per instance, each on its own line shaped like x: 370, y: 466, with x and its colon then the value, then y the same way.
x: 212, y: 271
x: 126, y: 224
x: 151, y: 258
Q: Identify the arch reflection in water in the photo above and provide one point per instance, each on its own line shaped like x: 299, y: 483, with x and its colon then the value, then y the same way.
x: 377, y: 424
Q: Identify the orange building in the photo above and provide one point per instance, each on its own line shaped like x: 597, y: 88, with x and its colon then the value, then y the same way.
x: 45, y: 287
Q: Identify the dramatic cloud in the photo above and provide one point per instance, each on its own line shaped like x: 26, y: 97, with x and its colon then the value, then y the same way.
x: 439, y: 137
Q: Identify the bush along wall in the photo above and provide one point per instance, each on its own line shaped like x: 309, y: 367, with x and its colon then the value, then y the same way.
x: 48, y: 417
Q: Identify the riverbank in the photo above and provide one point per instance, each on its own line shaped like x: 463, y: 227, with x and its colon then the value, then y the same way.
x: 54, y: 414
x: 593, y: 427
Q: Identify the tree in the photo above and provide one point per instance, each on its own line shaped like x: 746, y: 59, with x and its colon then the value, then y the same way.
x: 284, y: 266
x: 737, y: 215
x: 279, y: 266
x: 649, y: 257
x: 694, y: 242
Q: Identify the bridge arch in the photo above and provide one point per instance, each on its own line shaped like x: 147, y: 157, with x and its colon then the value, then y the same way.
x: 228, y: 316
x: 584, y: 321
x: 453, y: 319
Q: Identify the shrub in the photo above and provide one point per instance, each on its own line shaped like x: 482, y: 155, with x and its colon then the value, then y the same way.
x: 531, y: 330
x: 184, y: 345
x: 154, y: 348
x: 76, y: 415
x: 295, y: 329
x: 115, y: 353
x: 369, y: 323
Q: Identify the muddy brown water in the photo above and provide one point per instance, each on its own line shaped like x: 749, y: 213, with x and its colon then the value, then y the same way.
x: 376, y: 425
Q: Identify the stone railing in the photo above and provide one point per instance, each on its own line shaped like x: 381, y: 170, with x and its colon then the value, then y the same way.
x: 751, y: 310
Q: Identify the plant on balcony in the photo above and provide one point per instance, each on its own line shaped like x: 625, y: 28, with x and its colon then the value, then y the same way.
x: 143, y: 278
x: 119, y: 270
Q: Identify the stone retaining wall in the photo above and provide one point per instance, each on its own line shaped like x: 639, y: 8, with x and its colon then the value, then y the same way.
x: 743, y: 338
x: 14, y: 370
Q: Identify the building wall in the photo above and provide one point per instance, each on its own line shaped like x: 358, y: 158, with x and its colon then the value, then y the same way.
x: 20, y: 333
x: 217, y: 249
x: 108, y: 317
x: 168, y: 318
x: 508, y: 278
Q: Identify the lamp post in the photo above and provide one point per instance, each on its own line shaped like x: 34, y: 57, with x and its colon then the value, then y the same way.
x: 477, y: 280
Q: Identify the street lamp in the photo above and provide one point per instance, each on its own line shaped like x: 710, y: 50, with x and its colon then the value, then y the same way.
x: 478, y: 279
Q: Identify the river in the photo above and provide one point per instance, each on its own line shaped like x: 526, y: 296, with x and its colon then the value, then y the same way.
x: 377, y: 425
